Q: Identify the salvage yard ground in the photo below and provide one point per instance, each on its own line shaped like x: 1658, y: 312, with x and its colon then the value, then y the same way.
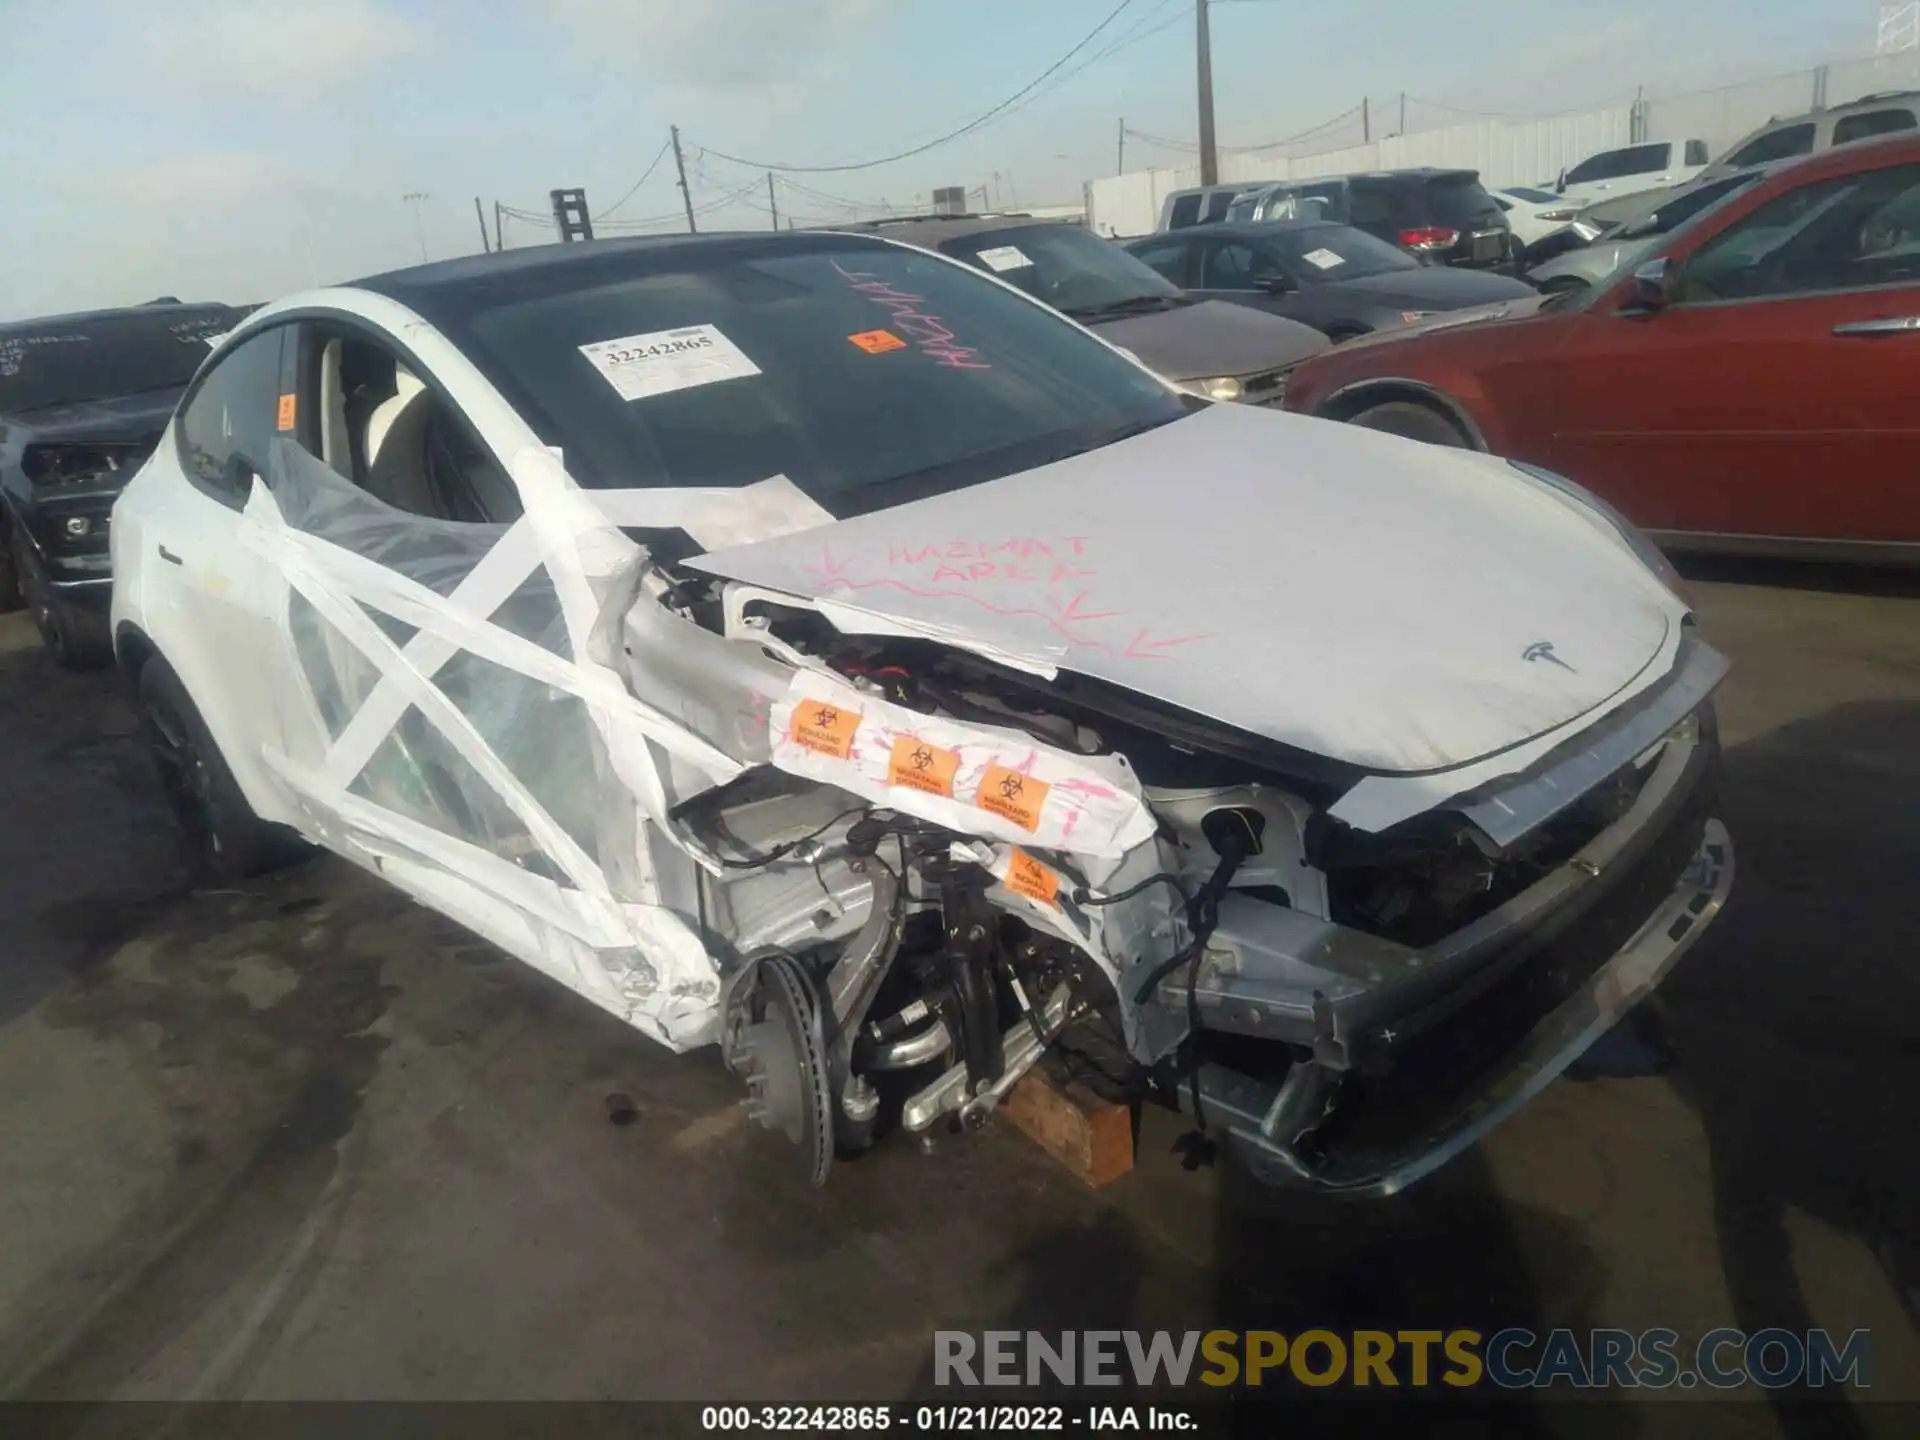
x: 303, y: 1139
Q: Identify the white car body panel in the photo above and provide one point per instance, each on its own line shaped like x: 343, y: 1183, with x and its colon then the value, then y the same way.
x: 1524, y: 216
x: 1587, y: 192
x: 1223, y: 601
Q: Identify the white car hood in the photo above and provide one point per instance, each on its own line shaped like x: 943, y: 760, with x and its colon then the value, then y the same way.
x: 1363, y: 597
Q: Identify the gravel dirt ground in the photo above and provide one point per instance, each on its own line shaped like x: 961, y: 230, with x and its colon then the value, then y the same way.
x: 302, y: 1139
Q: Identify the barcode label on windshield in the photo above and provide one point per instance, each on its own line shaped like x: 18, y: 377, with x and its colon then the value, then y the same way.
x: 639, y: 366
x: 1004, y: 257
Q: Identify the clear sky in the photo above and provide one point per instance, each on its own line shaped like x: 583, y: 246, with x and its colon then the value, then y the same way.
x: 241, y: 149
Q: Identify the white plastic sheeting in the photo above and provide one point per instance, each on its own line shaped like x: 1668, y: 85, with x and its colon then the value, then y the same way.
x: 477, y: 748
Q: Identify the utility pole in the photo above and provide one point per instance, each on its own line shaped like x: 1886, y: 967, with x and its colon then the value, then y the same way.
x: 1203, y: 46
x: 772, y: 202
x: 481, y: 216
x: 1366, y: 121
x: 1403, y: 112
x: 497, y: 244
x: 680, y: 164
x: 1120, y: 159
x: 413, y: 198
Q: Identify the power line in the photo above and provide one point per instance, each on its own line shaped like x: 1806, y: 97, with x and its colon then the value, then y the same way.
x: 702, y: 209
x: 645, y: 175
x: 1322, y: 127
x: 951, y: 135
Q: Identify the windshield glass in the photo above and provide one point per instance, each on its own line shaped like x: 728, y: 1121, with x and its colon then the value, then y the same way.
x: 1533, y: 197
x: 1459, y: 200
x: 67, y: 362
x: 1684, y: 207
x: 1637, y: 252
x: 1065, y: 266
x: 1336, y: 252
x: 867, y: 374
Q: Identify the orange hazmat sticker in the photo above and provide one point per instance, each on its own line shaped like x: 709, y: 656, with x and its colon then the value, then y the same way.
x: 824, y: 727
x: 1027, y: 876
x: 284, y: 421
x: 916, y: 765
x: 1012, y: 796
x: 878, y: 342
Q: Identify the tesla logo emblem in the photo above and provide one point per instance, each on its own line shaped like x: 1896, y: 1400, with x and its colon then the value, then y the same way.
x: 1012, y: 785
x: 1543, y: 650
x: 921, y: 759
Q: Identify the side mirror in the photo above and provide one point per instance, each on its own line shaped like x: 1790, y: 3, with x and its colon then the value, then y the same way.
x: 1653, y: 285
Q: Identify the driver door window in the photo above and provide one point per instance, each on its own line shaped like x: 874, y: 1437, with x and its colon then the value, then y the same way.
x: 1168, y: 259
x: 375, y: 422
x: 1781, y: 144
x: 1234, y: 266
x: 227, y: 425
x: 1849, y: 233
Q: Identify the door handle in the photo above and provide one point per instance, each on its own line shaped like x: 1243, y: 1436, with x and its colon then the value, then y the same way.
x: 1894, y: 325
x: 168, y: 556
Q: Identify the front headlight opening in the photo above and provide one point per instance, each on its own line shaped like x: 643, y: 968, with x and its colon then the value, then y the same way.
x: 1223, y: 387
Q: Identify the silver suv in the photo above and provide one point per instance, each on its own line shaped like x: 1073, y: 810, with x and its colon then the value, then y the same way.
x: 1783, y: 139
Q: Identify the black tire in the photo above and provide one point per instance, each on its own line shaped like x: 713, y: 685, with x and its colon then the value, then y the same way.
x: 75, y: 641
x: 1413, y: 421
x: 226, y: 841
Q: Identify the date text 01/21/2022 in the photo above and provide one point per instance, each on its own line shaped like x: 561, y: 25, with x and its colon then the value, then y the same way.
x: 928, y: 1419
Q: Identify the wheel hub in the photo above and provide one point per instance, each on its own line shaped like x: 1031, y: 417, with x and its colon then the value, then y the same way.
x: 780, y: 1051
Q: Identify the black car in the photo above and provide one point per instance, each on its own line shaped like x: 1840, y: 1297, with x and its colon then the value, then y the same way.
x: 1223, y: 351
x: 1335, y: 278
x: 1445, y: 217
x: 83, y: 399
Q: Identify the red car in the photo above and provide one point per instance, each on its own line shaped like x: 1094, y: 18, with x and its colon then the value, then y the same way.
x: 1752, y: 382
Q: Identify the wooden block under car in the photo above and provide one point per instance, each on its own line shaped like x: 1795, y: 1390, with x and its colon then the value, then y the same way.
x: 1091, y: 1136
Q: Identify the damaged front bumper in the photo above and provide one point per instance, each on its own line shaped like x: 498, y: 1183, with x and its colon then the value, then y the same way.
x: 1424, y: 1051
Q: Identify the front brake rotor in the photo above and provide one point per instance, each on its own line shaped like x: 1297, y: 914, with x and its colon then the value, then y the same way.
x: 782, y: 1054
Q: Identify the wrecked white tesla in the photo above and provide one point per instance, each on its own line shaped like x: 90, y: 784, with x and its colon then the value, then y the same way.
x: 807, y: 645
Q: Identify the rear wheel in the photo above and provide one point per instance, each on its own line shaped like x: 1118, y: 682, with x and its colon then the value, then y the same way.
x: 1413, y: 421
x: 225, y: 840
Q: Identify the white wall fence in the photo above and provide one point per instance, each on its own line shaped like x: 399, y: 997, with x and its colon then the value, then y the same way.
x: 1527, y: 152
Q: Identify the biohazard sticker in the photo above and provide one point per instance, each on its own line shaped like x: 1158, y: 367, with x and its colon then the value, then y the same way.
x: 824, y: 727
x: 918, y: 765
x: 288, y: 409
x: 1012, y: 796
x: 1027, y: 876
x: 878, y: 342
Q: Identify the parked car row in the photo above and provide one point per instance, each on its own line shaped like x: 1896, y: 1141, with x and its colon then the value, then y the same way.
x: 1746, y: 379
x: 881, y: 656
x: 1447, y: 216
x: 1442, y: 216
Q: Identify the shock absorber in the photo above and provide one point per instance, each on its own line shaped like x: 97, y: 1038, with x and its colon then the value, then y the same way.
x: 970, y: 958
